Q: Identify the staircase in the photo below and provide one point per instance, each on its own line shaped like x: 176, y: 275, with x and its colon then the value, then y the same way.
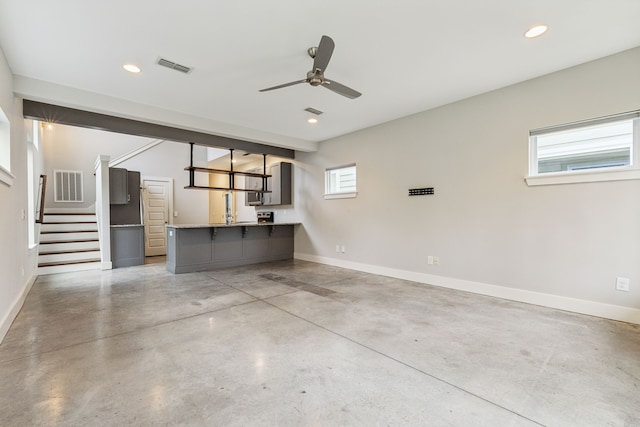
x: 68, y: 242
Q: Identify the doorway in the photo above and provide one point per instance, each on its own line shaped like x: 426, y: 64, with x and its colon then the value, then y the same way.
x: 157, y: 202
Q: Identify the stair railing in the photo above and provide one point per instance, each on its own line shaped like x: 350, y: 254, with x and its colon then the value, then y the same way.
x: 40, y: 202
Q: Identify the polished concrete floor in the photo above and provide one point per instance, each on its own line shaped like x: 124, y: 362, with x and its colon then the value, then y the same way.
x: 301, y: 344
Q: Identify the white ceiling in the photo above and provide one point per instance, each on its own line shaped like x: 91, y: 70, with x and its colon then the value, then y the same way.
x: 405, y: 56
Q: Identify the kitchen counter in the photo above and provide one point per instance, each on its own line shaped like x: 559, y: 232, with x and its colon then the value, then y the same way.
x: 235, y: 224
x: 199, y: 247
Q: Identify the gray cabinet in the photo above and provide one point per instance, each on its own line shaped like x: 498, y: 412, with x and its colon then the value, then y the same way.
x: 127, y: 246
x: 207, y: 248
x: 129, y: 212
x: 118, y: 186
x: 279, y: 185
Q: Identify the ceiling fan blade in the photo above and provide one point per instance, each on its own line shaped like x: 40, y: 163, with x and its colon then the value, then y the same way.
x: 283, y: 85
x: 340, y: 89
x: 323, y: 54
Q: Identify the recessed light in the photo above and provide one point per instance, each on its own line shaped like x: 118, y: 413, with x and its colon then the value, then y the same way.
x: 536, y: 31
x: 312, y: 120
x: 131, y: 68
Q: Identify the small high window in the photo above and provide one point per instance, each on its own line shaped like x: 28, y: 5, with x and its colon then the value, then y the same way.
x: 340, y: 182
x: 593, y: 150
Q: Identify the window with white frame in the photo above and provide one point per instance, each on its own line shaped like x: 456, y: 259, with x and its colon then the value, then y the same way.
x: 33, y: 144
x: 600, y: 149
x: 5, y: 150
x: 340, y: 182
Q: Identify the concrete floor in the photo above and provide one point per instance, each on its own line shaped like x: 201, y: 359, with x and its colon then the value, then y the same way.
x: 301, y: 344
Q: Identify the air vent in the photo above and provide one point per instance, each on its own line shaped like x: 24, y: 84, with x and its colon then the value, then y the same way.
x: 174, y: 66
x: 313, y: 111
x: 67, y: 186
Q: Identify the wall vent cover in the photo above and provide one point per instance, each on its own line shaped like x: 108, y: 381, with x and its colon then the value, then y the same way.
x: 67, y: 186
x: 313, y: 111
x: 174, y: 66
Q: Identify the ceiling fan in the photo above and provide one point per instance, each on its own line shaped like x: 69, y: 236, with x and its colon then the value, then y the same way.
x: 321, y: 56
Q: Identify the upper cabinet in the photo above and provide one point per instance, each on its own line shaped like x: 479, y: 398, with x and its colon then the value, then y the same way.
x: 278, y: 191
x: 118, y: 186
x: 279, y: 184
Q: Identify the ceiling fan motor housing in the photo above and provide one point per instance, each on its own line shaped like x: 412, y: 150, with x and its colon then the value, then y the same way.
x: 315, y: 78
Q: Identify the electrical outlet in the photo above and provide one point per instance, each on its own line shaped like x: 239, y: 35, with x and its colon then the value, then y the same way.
x: 430, y: 260
x: 343, y: 249
x: 622, y: 284
x: 337, y: 248
x: 436, y: 260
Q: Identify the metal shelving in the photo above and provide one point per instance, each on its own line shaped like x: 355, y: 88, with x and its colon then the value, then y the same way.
x: 231, y: 173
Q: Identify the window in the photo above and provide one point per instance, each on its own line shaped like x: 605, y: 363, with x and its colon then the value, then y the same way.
x: 340, y: 182
x: 601, y: 149
x: 5, y: 150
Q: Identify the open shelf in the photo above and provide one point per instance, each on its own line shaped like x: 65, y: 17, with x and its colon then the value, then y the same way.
x: 201, y: 187
x: 224, y: 171
x: 230, y: 173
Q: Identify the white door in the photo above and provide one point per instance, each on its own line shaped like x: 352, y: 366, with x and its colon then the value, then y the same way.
x: 156, y: 196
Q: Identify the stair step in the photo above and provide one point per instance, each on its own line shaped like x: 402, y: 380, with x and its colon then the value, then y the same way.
x: 70, y: 251
x: 68, y: 226
x: 92, y: 245
x: 69, y: 213
x: 68, y: 222
x: 68, y: 237
x: 57, y: 242
x: 56, y: 263
x: 68, y: 231
x: 70, y: 256
x: 57, y: 269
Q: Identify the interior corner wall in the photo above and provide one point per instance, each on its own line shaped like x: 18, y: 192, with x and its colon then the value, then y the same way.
x: 485, y: 224
x: 17, y: 261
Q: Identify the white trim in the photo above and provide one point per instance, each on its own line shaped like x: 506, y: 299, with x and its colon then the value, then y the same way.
x: 134, y: 153
x: 162, y: 179
x: 101, y: 166
x: 583, y: 176
x: 15, y: 308
x: 6, y: 176
x: 592, y: 308
x: 106, y: 265
x: 341, y: 195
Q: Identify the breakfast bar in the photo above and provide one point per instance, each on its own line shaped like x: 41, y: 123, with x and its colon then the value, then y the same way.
x: 199, y: 247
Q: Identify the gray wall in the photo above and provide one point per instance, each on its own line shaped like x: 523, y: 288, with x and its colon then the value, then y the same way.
x: 484, y: 222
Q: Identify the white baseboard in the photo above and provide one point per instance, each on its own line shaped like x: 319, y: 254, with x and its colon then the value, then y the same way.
x: 592, y: 308
x: 15, y: 308
x: 106, y: 265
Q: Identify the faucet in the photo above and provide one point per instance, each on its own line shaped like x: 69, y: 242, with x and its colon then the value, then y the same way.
x: 228, y: 203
